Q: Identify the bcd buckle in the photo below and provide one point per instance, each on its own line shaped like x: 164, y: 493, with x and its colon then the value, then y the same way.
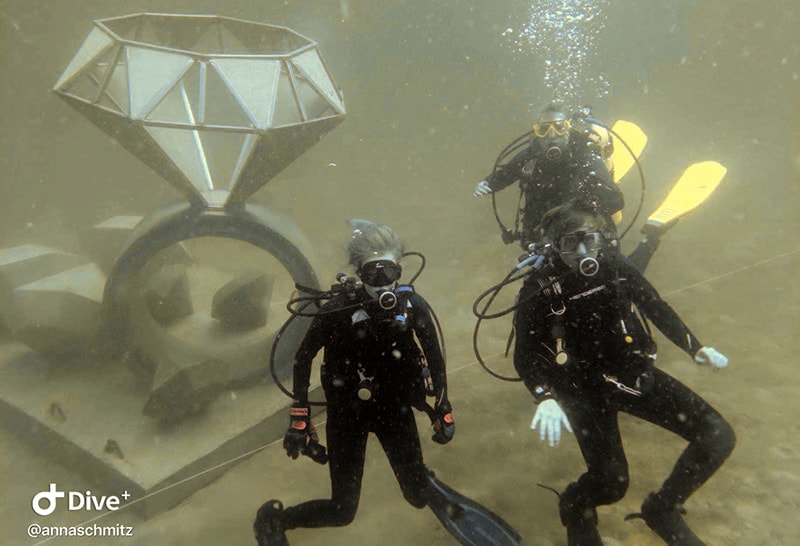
x: 621, y: 386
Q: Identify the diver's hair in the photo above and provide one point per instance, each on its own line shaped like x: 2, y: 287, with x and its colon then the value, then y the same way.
x: 370, y: 240
x: 569, y: 217
x: 555, y: 106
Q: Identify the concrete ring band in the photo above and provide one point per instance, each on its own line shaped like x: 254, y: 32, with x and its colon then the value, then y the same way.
x: 251, y: 223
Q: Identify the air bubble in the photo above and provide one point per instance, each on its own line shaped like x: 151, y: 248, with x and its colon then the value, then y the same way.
x: 563, y: 32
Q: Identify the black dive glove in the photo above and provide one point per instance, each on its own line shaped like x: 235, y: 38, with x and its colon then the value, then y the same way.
x: 443, y: 425
x: 301, y: 436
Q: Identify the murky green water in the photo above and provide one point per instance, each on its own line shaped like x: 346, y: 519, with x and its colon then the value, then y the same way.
x: 434, y: 91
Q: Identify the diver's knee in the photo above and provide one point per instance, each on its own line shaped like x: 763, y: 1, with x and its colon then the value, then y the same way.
x: 345, y: 513
x: 722, y: 438
x: 609, y: 484
x: 617, y: 487
x: 719, y: 438
x: 612, y: 490
x: 589, y: 491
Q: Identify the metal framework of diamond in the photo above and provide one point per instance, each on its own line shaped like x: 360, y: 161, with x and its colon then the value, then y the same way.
x: 212, y: 104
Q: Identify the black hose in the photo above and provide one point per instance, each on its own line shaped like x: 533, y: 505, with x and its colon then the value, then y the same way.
x: 508, y: 235
x: 274, y: 348
x: 494, y: 291
x: 421, y: 267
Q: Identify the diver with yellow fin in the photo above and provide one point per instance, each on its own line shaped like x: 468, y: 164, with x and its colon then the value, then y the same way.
x: 583, y: 343
x: 563, y: 158
x: 574, y: 156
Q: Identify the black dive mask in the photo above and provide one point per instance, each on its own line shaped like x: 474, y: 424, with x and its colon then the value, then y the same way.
x: 380, y: 272
x: 580, y: 250
x: 570, y: 242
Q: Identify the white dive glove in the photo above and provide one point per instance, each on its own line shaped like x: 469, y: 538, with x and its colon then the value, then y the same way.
x: 483, y: 188
x: 549, y: 417
x: 712, y: 357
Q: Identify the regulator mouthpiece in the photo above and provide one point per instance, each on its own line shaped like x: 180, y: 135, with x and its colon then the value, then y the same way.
x: 589, y: 266
x: 387, y: 300
x: 553, y: 153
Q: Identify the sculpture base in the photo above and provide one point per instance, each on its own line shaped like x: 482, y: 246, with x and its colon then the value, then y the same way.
x: 87, y: 415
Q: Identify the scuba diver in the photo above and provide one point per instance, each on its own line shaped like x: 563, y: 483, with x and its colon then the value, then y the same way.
x: 568, y: 157
x: 564, y: 159
x: 382, y: 357
x: 585, y: 351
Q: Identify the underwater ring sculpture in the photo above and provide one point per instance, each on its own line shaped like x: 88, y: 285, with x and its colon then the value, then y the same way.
x: 178, y: 222
x: 217, y: 107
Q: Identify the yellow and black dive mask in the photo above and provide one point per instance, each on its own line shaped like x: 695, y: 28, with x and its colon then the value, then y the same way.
x: 552, y: 133
x: 551, y: 129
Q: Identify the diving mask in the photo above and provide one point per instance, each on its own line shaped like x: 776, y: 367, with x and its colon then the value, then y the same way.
x: 380, y: 273
x: 570, y: 242
x: 552, y: 129
x: 579, y: 250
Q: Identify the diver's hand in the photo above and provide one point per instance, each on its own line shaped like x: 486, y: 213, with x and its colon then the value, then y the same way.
x: 444, y: 428
x: 300, y: 429
x: 483, y: 188
x: 549, y: 417
x: 712, y: 357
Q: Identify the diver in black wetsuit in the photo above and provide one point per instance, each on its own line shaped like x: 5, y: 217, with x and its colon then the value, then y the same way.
x: 584, y: 350
x: 564, y: 160
x: 374, y: 373
x: 567, y: 158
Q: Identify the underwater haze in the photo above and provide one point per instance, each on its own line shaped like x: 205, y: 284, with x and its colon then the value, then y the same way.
x: 434, y: 91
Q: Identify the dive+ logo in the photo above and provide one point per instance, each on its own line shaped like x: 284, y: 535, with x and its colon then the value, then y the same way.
x: 44, y: 502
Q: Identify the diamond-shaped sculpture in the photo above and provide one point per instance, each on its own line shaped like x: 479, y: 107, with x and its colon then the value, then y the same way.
x: 210, y: 103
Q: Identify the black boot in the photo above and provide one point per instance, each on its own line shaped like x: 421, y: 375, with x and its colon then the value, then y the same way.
x: 268, y: 527
x: 580, y: 521
x: 666, y: 519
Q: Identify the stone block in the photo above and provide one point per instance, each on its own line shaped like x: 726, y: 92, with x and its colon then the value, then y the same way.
x: 103, y: 242
x: 60, y: 314
x: 167, y: 294
x: 241, y: 303
x: 183, y: 389
x: 25, y: 264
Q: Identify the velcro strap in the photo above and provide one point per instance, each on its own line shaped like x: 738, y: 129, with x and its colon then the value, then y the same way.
x: 298, y: 411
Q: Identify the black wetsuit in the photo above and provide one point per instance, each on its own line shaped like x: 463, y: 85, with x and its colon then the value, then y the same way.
x: 595, y: 321
x: 358, y: 336
x: 580, y: 173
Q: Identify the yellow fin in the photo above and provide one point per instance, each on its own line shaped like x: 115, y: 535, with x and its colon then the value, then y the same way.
x: 694, y: 186
x: 635, y: 138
